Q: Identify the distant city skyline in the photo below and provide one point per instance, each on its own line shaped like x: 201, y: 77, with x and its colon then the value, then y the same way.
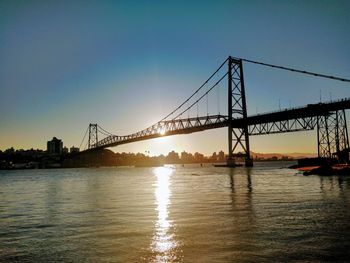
x: 126, y: 65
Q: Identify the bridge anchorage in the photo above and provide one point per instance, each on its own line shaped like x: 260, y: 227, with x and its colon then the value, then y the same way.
x: 328, y: 118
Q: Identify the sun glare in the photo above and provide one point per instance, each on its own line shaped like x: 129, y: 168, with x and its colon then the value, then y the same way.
x: 161, y: 131
x: 163, y: 241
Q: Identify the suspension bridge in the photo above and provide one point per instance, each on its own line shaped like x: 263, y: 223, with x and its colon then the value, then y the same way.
x: 328, y: 118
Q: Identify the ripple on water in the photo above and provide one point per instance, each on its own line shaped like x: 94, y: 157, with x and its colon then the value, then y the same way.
x: 173, y: 214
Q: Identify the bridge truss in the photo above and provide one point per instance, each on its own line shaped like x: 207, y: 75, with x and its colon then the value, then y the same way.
x: 328, y: 118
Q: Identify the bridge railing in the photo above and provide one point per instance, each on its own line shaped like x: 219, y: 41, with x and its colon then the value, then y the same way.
x: 299, y: 107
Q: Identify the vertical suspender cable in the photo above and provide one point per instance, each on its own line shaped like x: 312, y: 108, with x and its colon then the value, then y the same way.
x: 188, y: 112
x: 207, y: 105
x: 218, y: 98
x: 197, y: 105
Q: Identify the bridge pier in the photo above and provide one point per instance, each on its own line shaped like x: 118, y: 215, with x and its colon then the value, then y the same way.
x: 238, y: 137
x: 332, y: 136
x: 230, y: 162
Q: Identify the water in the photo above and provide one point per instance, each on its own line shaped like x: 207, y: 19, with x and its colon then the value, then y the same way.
x: 173, y: 214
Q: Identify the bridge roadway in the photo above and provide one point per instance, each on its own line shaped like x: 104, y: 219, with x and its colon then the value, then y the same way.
x: 288, y: 120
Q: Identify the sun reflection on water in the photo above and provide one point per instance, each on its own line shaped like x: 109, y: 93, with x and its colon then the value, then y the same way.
x: 164, y: 244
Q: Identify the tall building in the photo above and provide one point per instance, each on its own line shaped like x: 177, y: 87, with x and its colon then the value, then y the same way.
x: 54, y: 146
x: 221, y: 156
x: 64, y: 150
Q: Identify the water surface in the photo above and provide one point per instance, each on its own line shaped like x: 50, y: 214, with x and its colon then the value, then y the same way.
x: 173, y: 214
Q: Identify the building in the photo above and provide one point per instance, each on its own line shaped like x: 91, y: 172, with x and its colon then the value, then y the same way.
x: 64, y: 150
x: 74, y: 149
x: 54, y: 146
x: 221, y: 157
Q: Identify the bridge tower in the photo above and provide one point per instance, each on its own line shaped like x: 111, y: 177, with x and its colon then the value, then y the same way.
x: 238, y: 137
x: 93, y: 138
x: 332, y: 136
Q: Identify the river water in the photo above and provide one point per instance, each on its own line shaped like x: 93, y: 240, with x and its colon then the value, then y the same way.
x: 173, y: 214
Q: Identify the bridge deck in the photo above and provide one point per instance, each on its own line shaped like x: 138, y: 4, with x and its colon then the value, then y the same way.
x: 296, y: 119
x: 311, y: 110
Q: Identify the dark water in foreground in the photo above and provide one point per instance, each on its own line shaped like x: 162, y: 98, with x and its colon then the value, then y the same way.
x: 173, y: 214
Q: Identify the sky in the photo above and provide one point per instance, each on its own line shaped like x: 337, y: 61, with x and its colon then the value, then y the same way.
x: 126, y: 64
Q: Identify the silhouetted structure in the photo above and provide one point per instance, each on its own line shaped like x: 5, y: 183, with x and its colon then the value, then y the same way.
x: 74, y: 149
x: 54, y: 146
x: 64, y: 150
x: 28, y: 159
x: 329, y: 119
x: 221, y: 157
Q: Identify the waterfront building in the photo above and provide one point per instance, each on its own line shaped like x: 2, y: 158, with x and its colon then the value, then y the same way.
x: 64, y: 150
x: 221, y: 157
x: 54, y: 146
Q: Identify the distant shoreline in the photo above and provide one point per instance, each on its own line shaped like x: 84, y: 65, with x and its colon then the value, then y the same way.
x: 135, y: 165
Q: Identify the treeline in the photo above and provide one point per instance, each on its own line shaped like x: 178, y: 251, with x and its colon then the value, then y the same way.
x: 171, y: 158
x: 22, y: 159
x: 31, y: 159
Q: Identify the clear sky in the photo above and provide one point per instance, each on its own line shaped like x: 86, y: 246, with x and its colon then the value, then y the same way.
x: 126, y: 64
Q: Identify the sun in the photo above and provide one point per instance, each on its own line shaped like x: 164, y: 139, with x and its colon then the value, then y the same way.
x: 161, y: 131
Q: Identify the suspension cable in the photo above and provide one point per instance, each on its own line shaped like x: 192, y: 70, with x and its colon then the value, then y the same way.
x: 106, y: 134
x: 86, y: 145
x: 177, y: 108
x: 188, y: 99
x: 207, y: 105
x: 83, y: 137
x: 202, y: 95
x: 103, y: 131
x: 188, y: 113
x: 297, y: 70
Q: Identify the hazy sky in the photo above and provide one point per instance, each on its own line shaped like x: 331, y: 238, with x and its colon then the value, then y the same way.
x: 126, y: 64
